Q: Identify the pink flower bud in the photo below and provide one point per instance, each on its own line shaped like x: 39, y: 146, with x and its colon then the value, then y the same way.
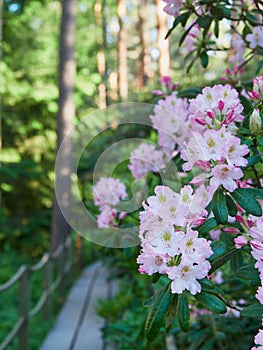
x: 200, y: 121
x: 221, y: 105
x: 239, y: 219
x: 250, y: 223
x: 203, y: 165
x: 198, y: 180
x: 254, y: 95
x: 211, y: 115
x: 230, y: 117
x: 232, y: 230
x: 228, y: 71
x: 256, y: 244
x: 122, y: 215
x: 240, y: 242
x: 199, y: 221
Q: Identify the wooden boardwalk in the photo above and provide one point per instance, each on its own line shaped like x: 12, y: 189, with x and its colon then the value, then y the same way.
x: 78, y: 327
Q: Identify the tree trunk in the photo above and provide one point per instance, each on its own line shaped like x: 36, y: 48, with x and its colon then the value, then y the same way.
x: 100, y: 16
x: 122, y: 53
x: 60, y: 226
x: 141, y: 77
x: 162, y: 44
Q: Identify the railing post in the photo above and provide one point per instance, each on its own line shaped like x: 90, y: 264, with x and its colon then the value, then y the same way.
x: 47, y: 281
x: 24, y: 300
x: 61, y: 271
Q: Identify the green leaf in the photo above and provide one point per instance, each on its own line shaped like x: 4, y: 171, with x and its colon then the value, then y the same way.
x: 247, y: 201
x: 217, y: 12
x: 190, y: 93
x: 231, y: 206
x: 252, y: 19
x: 183, y: 313
x: 171, y: 312
x: 207, y: 226
x: 222, y: 259
x: 219, y: 248
x: 248, y: 107
x: 204, y: 59
x: 216, y: 29
x: 155, y: 277
x: 204, y: 21
x: 211, y: 302
x: 255, y: 310
x: 219, y: 207
x: 157, y: 314
x: 185, y: 34
x: 182, y: 18
x: 256, y: 158
x: 248, y: 273
x: 257, y: 193
x: 209, y: 286
x: 236, y: 261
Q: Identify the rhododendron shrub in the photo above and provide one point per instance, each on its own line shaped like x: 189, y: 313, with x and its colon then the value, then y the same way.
x: 203, y: 243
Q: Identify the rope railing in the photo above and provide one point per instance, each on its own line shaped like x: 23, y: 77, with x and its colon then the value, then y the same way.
x: 62, y: 258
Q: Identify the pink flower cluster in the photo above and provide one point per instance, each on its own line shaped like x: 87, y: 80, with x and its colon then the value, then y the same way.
x: 170, y: 120
x: 216, y: 106
x: 168, y: 87
x: 256, y: 244
x: 173, y: 7
x: 144, y: 159
x: 169, y: 245
x: 257, y: 92
x: 218, y: 154
x: 193, y: 37
x: 107, y: 194
x: 255, y: 39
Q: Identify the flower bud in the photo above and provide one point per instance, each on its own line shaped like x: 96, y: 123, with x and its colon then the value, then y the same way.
x: 255, y: 124
x: 240, y: 242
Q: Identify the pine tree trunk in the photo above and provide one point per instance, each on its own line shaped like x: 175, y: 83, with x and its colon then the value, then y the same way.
x: 122, y: 53
x: 141, y: 77
x: 60, y: 227
x: 100, y: 16
x: 162, y: 44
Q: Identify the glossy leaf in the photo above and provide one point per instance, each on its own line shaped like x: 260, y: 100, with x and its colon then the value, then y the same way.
x: 219, y: 207
x: 247, y: 201
x: 222, y: 259
x: 255, y: 310
x: 157, y: 315
x: 211, y: 302
x: 183, y: 313
x: 207, y: 226
x: 231, y: 206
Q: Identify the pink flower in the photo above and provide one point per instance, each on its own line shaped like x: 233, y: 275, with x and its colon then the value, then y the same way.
x: 170, y: 120
x: 173, y: 7
x: 145, y: 159
x: 217, y: 101
x: 225, y: 175
x: 150, y: 262
x: 257, y: 231
x: 194, y: 247
x: 167, y: 86
x: 186, y: 274
x: 108, y: 192
x: 240, y: 242
x: 259, y: 295
x: 239, y: 47
x: 107, y: 218
x: 257, y: 249
x: 231, y: 230
x: 255, y: 38
x: 259, y: 338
